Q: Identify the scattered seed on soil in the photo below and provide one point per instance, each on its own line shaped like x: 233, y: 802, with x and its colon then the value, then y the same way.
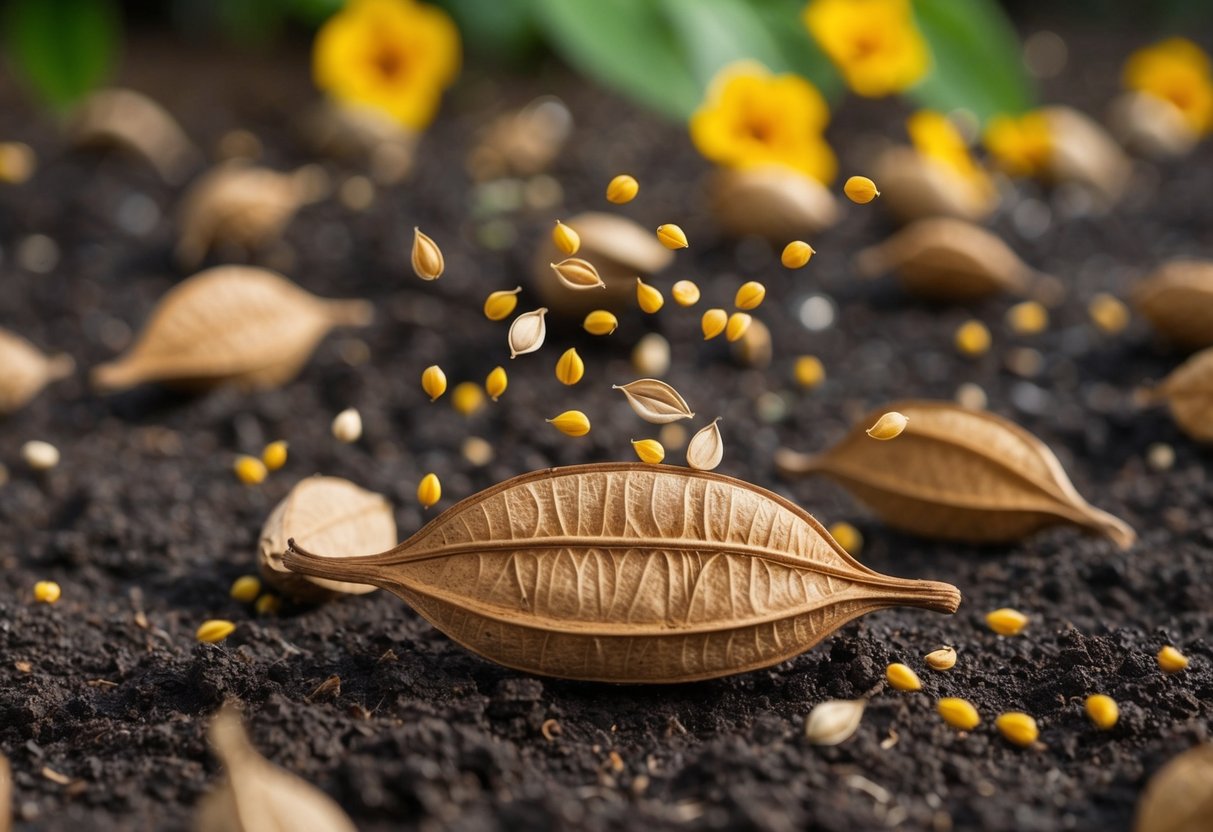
x: 1102, y: 710
x: 1171, y: 660
x: 347, y: 426
x: 245, y: 589
x: 1017, y: 728
x: 39, y: 455
x: 942, y: 659
x: 958, y: 713
x: 273, y: 455
x: 47, y: 592
x: 833, y: 722
x: 214, y: 630
x: 1006, y: 621
x: 901, y: 677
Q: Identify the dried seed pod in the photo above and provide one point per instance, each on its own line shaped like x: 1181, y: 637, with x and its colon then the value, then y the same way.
x: 428, y: 262
x: 500, y: 304
x: 527, y: 332
x: 917, y: 187
x: 833, y: 722
x: 706, y: 448
x: 256, y: 795
x: 655, y: 401
x: 1188, y: 393
x: 1179, y: 797
x: 1178, y: 300
x: 26, y: 371
x: 1017, y: 728
x: 238, y: 324
x: 771, y: 202
x: 133, y: 122
x: 957, y: 474
x: 948, y: 259
x: 577, y: 573
x: 1081, y: 151
x: 1151, y: 125
x: 577, y: 274
x: 330, y: 515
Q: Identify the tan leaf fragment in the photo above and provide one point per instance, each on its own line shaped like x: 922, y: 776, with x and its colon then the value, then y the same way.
x: 833, y: 722
x: 1179, y: 798
x: 133, y: 122
x: 577, y: 274
x: 630, y: 573
x: 1178, y: 300
x: 914, y: 186
x: 771, y: 202
x: 655, y: 401
x: 527, y: 332
x: 957, y: 474
x: 27, y: 370
x: 330, y: 515
x: 1188, y: 392
x: 231, y: 324
x: 706, y: 448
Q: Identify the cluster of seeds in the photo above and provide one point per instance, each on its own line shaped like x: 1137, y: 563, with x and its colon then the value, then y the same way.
x: 252, y: 470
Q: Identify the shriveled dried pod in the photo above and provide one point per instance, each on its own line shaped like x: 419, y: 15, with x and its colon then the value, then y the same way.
x: 348, y: 131
x: 527, y: 332
x: 1081, y: 151
x: 1188, y: 392
x: 522, y: 142
x: 231, y: 324
x: 237, y: 203
x: 957, y: 474
x: 914, y: 186
x: 776, y: 203
x: 1177, y: 299
x: 620, y: 249
x: 330, y: 515
x: 949, y: 260
x: 1179, y: 797
x: 26, y: 371
x: 1151, y: 125
x: 133, y: 122
x: 630, y: 573
x: 255, y: 795
x: 655, y: 401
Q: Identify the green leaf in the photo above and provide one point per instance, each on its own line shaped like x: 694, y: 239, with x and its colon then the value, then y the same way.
x: 62, y: 48
x: 717, y: 33
x: 501, y: 29
x: 978, y: 64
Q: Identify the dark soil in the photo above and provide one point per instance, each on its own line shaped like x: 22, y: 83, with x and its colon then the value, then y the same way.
x: 144, y: 514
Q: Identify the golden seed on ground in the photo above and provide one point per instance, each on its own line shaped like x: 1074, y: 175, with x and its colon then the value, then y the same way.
x: 47, y: 592
x: 809, y: 371
x: 571, y: 423
x: 428, y: 263
x: 1103, y: 711
x: 860, y: 190
x: 847, y: 536
x: 600, y: 322
x: 500, y: 305
x: 249, y: 470
x: 942, y: 659
x: 736, y: 326
x: 347, y: 426
x: 1006, y: 621
x: 467, y: 397
x: 902, y: 677
x: 268, y: 604
x: 685, y: 293
x: 429, y: 490
x: 671, y: 236
x: 39, y: 455
x: 972, y: 338
x: 1108, y: 313
x: 889, y: 426
x: 622, y: 189
x: 796, y: 254
x: 273, y: 455
x: 1171, y: 660
x: 750, y: 295
x: 496, y: 382
x: 649, y: 297
x: 713, y: 323
x: 566, y: 239
x: 1017, y: 728
x: 569, y: 367
x: 648, y: 450
x: 958, y: 713
x: 245, y: 589
x: 213, y: 630
x: 433, y: 382
x: 1027, y: 318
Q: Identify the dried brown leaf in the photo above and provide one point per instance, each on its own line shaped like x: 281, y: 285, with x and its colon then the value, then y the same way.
x: 1179, y: 798
x: 957, y: 474
x: 330, y: 515
x: 655, y: 401
x: 238, y: 324
x: 914, y: 186
x: 26, y: 371
x: 833, y: 722
x: 706, y: 448
x: 629, y: 572
x: 527, y: 332
x: 1188, y: 392
x: 1178, y: 300
x: 133, y: 122
x: 771, y: 202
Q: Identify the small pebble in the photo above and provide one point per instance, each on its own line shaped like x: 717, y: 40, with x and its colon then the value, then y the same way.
x: 347, y: 426
x: 39, y: 455
x: 1160, y: 456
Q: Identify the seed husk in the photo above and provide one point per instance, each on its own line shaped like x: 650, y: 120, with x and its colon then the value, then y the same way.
x: 737, y: 326
x: 571, y: 423
x: 942, y: 659
x: 958, y: 713
x: 569, y: 367
x: 796, y: 254
x: 771, y: 202
x: 1178, y: 300
x: 133, y: 122
x: 527, y: 332
x: 347, y: 426
x: 706, y: 448
x: 672, y: 237
x: 1179, y: 797
x: 1017, y: 728
x: 1171, y: 660
x: 565, y: 239
x: 27, y: 371
x: 649, y: 297
x: 1102, y: 710
x: 429, y: 490
x: 433, y: 382
x: 622, y: 189
x: 428, y: 262
x: 860, y: 189
x: 1006, y: 621
x: 750, y: 295
x: 902, y: 677
x: 685, y: 293
x: 600, y: 322
x: 833, y: 722
x: 713, y: 323
x: 577, y: 274
x: 496, y: 383
x: 888, y: 426
x: 655, y: 401
x: 1188, y: 393
x: 501, y: 304
x: 648, y: 451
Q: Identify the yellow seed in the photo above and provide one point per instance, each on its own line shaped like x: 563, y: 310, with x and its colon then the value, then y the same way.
x: 1018, y: 728
x: 245, y: 589
x: 428, y: 263
x: 649, y: 297
x: 570, y: 368
x: 273, y: 455
x: 429, y: 490
x: 750, y: 295
x: 565, y: 238
x: 571, y: 423
x: 496, y: 382
x: 500, y: 305
x: 1108, y: 313
x: 47, y: 592
x: 1171, y: 660
x: 17, y: 162
x: 216, y: 629
x: 737, y: 325
x: 622, y: 189
x: 249, y: 470
x: 1027, y: 318
x: 1103, y: 711
x: 685, y: 293
x: 809, y: 371
x: 888, y: 426
x: 713, y: 322
x: 347, y: 426
x: 972, y: 338
x: 860, y: 189
x: 600, y: 322
x: 942, y: 659
x: 648, y: 450
x: 1006, y: 621
x: 433, y: 381
x: 796, y: 254
x: 268, y: 604
x: 848, y: 537
x: 902, y: 677
x: 671, y: 236
x: 958, y: 713
x: 467, y: 398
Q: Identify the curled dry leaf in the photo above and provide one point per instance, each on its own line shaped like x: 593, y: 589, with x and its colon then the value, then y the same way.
x: 1179, y: 798
x: 330, y: 515
x: 655, y: 401
x: 1178, y: 300
x: 577, y: 274
x: 428, y: 262
x: 1188, y: 392
x: 238, y: 324
x: 629, y: 573
x: 771, y: 202
x: 706, y: 448
x: 256, y: 795
x: 523, y: 142
x: 1151, y: 125
x: 1081, y: 151
x: 833, y: 722
x: 131, y: 121
x: 957, y: 474
x: 527, y: 332
x: 914, y: 186
x: 26, y: 371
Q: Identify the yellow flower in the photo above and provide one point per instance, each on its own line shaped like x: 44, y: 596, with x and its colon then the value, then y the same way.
x: 935, y: 137
x: 752, y: 118
x: 393, y: 55
x: 1176, y: 70
x: 1022, y: 146
x: 875, y: 43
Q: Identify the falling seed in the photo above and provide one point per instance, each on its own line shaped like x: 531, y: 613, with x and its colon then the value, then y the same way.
x: 672, y: 436
x: 268, y: 604
x: 648, y: 450
x: 713, y: 323
x: 972, y: 338
x: 1171, y: 660
x: 571, y: 423
x: 901, y: 677
x: 971, y: 396
x: 1017, y: 728
x: 706, y: 448
x: 249, y: 470
x: 750, y: 295
x: 942, y: 659
x: 1027, y: 318
x: 737, y: 325
x: 1102, y: 710
x: 570, y: 368
x: 808, y: 371
x: 833, y: 722
x: 39, y: 455
x: 860, y: 190
x: 500, y: 305
x: 685, y: 293
x: 214, y: 630
x: 655, y: 401
x: 245, y: 589
x: 273, y: 455
x: 651, y: 355
x: 496, y: 382
x: 1108, y: 313
x: 1006, y: 621
x: 433, y: 382
x: 649, y: 297
x: 622, y: 189
x: 566, y: 239
x: 672, y: 237
x: 958, y: 713
x: 796, y: 254
x: 527, y: 332
x: 847, y: 536
x: 47, y: 592
x: 888, y: 426
x: 478, y: 451
x: 427, y: 257
x: 467, y: 398
x: 600, y: 322
x: 578, y: 274
x: 347, y: 426
x: 429, y: 490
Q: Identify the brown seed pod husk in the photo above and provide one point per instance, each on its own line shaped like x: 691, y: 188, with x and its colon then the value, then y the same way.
x: 655, y: 401
x: 1177, y: 299
x: 914, y: 187
x: 629, y: 573
x: 775, y: 203
x: 957, y: 474
x: 330, y: 515
x: 131, y: 121
x: 1179, y: 797
x: 1188, y: 392
x: 1151, y: 126
x: 255, y: 795
x: 948, y: 260
x: 522, y: 142
x: 231, y: 324
x: 27, y: 370
x: 833, y: 722
x: 1084, y: 153
x: 706, y: 448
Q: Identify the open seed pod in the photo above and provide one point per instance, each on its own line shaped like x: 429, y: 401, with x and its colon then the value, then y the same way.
x: 255, y: 795
x: 776, y: 203
x: 330, y: 515
x: 350, y: 131
x: 231, y: 324
x: 620, y: 249
x: 1151, y: 126
x: 629, y: 573
x: 240, y: 204
x: 1177, y: 299
x: 522, y: 142
x: 133, y: 122
x: 1188, y: 392
x: 1083, y: 152
x: 948, y: 260
x: 26, y: 370
x: 914, y: 186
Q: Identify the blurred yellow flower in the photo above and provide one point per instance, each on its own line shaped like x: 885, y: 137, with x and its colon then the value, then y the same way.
x: 875, y: 43
x: 752, y: 118
x: 396, y: 56
x: 1022, y: 146
x: 1175, y: 70
x: 936, y: 137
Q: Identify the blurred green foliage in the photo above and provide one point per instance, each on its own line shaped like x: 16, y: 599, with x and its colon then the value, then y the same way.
x: 61, y: 48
